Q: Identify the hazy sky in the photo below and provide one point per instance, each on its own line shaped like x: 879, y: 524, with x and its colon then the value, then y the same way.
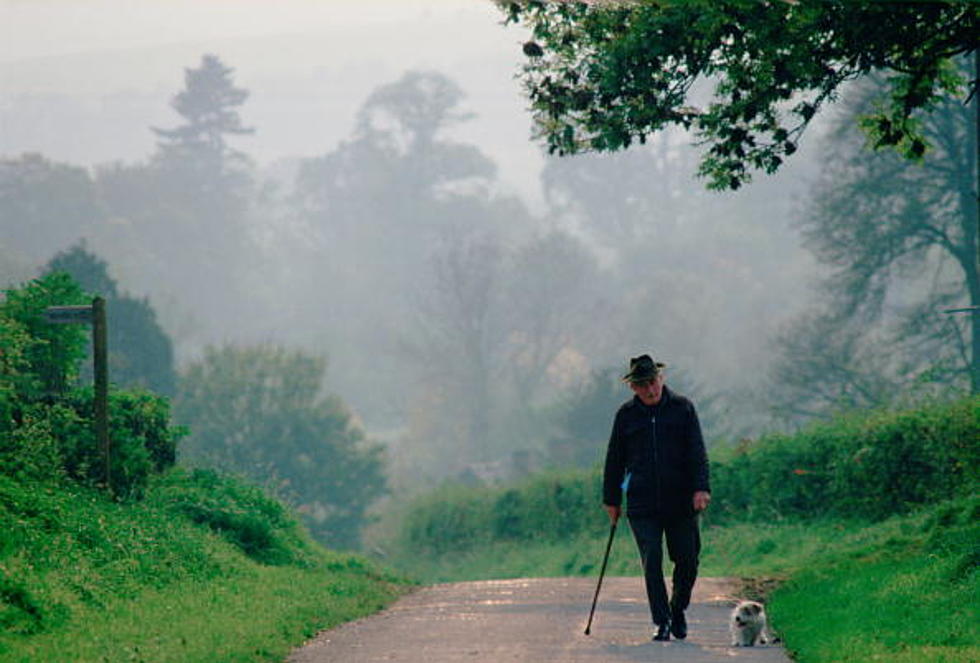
x: 82, y: 80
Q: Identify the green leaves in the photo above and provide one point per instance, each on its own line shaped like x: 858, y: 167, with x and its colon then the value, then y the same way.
x: 51, y: 353
x: 258, y: 411
x: 639, y: 60
x: 46, y: 422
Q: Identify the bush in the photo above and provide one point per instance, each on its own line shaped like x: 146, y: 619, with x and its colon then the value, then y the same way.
x: 50, y: 354
x: 548, y: 507
x: 15, y: 375
x: 862, y: 466
x: 33, y: 450
x: 259, y: 412
x: 46, y: 425
x: 141, y: 439
x: 239, y: 512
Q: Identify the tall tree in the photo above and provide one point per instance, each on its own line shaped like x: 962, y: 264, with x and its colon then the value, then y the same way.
x: 394, y: 181
x: 902, y: 241
x: 553, y: 302
x: 140, y: 352
x: 45, y: 205
x: 601, y: 76
x: 180, y: 225
x: 259, y: 411
x: 374, y: 212
x: 209, y: 105
x: 463, y: 339
x: 622, y: 199
x: 200, y: 170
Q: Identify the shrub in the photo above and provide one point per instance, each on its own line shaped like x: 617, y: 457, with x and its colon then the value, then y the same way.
x: 548, y: 507
x: 141, y: 439
x: 259, y: 411
x: 863, y: 466
x: 51, y: 353
x: 32, y: 450
x: 238, y: 511
x: 46, y: 427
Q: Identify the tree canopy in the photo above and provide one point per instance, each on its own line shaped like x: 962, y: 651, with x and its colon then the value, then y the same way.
x: 259, y: 411
x: 602, y: 76
x: 140, y: 351
x: 209, y: 106
x: 901, y: 241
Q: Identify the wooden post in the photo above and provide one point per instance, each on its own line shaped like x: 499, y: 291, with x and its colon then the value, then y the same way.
x: 100, y: 357
x: 94, y: 315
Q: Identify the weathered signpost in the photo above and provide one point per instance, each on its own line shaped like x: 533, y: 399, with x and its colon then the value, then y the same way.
x: 94, y: 315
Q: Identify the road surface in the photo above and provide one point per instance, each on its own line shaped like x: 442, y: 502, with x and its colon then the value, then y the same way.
x: 535, y: 620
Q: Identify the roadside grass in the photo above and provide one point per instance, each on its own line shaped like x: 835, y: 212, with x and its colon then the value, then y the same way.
x: 740, y: 550
x: 908, y: 592
x: 256, y: 614
x: 204, y: 568
x: 903, y: 589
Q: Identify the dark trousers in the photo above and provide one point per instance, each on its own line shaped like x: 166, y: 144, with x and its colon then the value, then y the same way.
x: 683, y: 546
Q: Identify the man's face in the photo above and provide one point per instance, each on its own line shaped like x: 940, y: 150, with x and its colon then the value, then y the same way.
x: 649, y: 391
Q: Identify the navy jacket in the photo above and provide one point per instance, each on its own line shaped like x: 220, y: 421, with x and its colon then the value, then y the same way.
x: 662, y: 450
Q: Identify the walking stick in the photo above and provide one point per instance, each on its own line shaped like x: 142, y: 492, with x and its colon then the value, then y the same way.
x: 602, y: 572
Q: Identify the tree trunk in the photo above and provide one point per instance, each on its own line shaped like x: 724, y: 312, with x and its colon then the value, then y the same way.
x: 974, y: 277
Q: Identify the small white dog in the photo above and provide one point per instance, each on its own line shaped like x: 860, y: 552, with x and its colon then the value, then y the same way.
x: 749, y: 625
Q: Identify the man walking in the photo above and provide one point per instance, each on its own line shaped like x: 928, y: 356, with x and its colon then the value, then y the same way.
x: 656, y: 444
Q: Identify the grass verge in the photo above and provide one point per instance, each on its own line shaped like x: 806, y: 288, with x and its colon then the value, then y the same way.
x: 204, y: 568
x: 252, y: 616
x: 904, y: 589
x: 902, y: 592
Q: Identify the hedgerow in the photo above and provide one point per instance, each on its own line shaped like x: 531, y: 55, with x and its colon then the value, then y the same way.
x: 863, y: 466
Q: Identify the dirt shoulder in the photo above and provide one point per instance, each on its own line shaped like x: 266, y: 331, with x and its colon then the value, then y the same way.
x: 535, y: 620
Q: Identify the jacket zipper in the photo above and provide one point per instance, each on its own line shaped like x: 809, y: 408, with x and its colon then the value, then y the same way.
x: 656, y: 465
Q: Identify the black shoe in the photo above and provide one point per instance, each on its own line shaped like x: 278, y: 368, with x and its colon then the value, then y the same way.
x: 678, y: 625
x: 663, y: 632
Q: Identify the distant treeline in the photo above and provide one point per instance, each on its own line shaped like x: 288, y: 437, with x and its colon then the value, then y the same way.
x: 862, y: 466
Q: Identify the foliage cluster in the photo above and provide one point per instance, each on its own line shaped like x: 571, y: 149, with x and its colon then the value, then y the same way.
x: 140, y: 352
x: 259, y: 412
x: 46, y: 421
x: 601, y: 76
x: 899, y: 239
x: 547, y: 507
x: 240, y: 512
x: 866, y: 466
x: 863, y: 466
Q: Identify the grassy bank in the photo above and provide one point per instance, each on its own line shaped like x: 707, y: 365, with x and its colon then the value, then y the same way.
x: 203, y: 568
x: 903, y: 591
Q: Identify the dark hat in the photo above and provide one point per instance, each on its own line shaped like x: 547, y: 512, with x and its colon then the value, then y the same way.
x: 643, y: 368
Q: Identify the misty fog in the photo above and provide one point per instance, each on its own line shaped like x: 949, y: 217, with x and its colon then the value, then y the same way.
x: 392, y: 214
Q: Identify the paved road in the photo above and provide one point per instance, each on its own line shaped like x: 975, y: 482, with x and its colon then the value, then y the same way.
x: 537, y: 620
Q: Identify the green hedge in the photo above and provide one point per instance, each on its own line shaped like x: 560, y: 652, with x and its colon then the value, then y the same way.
x: 548, y: 507
x: 57, y: 439
x: 865, y: 466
